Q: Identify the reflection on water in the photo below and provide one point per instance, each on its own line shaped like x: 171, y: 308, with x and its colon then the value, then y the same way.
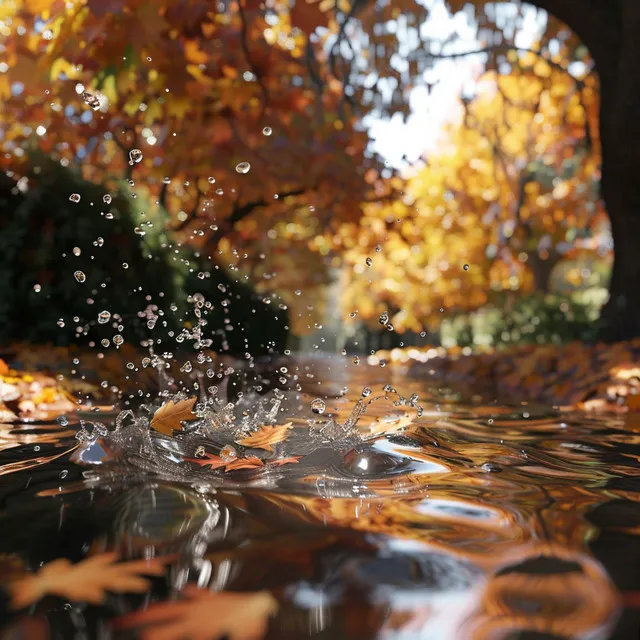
x: 466, y: 522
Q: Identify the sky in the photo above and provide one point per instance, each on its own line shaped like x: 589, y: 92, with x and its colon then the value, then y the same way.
x: 430, y: 112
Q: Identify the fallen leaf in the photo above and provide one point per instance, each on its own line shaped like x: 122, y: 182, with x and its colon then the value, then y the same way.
x: 267, y: 436
x: 87, y: 581
x: 278, y: 462
x: 203, y: 615
x: 250, y: 462
x: 209, y: 460
x: 171, y: 415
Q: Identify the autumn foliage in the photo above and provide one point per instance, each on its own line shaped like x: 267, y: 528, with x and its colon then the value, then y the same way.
x: 244, y: 125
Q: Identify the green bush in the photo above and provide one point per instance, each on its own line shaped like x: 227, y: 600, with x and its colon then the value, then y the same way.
x: 533, y: 319
x: 127, y: 261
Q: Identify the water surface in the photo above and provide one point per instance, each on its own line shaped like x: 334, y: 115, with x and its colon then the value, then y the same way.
x: 470, y: 521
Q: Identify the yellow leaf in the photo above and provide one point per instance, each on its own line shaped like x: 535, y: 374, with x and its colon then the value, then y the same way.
x: 267, y: 436
x: 170, y: 415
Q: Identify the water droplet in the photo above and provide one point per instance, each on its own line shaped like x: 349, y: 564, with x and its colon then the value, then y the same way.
x: 369, y: 262
x: 491, y: 467
x: 60, y: 322
x: 63, y: 474
x: 125, y: 265
x: 187, y: 367
x: 63, y: 421
x: 267, y: 131
x: 74, y: 197
x: 79, y: 276
x: 383, y: 363
x: 118, y: 339
x: 135, y: 156
x: 200, y: 452
x: 106, y: 198
x: 105, y: 342
x: 243, y: 167
x: 37, y: 288
x: 228, y: 453
x: 318, y: 406
x: 366, y: 392
x: 384, y: 318
x: 466, y: 267
x: 76, y: 251
x: 91, y: 100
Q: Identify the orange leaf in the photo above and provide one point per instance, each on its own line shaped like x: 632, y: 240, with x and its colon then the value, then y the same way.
x: 4, y: 368
x: 251, y: 462
x: 210, y: 460
x: 280, y: 461
x: 266, y: 436
x: 86, y: 581
x: 203, y: 614
x: 170, y: 415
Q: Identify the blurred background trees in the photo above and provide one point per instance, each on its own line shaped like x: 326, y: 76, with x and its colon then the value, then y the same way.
x: 241, y: 136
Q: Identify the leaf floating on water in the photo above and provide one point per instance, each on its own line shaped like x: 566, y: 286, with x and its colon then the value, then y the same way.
x: 203, y: 614
x: 170, y: 416
x: 267, y: 436
x: 282, y: 461
x: 250, y: 462
x: 209, y: 460
x: 87, y: 581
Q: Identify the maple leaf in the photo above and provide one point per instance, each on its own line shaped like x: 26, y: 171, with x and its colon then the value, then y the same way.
x: 203, y: 615
x: 209, y: 460
x: 267, y: 436
x: 86, y: 581
x: 281, y: 461
x: 171, y: 414
x: 250, y: 462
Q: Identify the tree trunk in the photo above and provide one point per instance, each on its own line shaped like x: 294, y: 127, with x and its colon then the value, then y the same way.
x: 611, y: 31
x: 620, y: 135
x: 541, y: 270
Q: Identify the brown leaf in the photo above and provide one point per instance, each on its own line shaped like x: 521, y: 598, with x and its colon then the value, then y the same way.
x: 267, y: 436
x: 203, y: 615
x: 250, y: 462
x: 86, y: 581
x: 170, y: 415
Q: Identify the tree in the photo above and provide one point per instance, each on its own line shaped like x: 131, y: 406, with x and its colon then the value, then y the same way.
x: 608, y: 28
x: 511, y: 190
x: 222, y: 113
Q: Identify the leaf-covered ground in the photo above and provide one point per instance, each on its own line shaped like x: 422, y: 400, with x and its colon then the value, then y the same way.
x: 592, y: 377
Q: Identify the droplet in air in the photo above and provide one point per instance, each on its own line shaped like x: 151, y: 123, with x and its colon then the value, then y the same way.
x: 62, y: 421
x: 441, y: 309
x: 384, y: 318
x: 91, y: 100
x: 37, y: 288
x: 318, y: 406
x: 366, y: 392
x: 267, y: 131
x: 135, y: 156
x: 79, y: 276
x: 369, y: 262
x: 74, y: 197
x: 243, y: 167
x: 60, y: 322
x: 211, y: 180
x: 104, y: 317
x: 125, y: 265
x: 106, y: 198
x: 76, y: 251
x: 105, y: 342
x: 466, y: 267
x: 118, y: 339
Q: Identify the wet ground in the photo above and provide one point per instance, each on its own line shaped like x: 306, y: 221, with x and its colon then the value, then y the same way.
x: 473, y: 520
